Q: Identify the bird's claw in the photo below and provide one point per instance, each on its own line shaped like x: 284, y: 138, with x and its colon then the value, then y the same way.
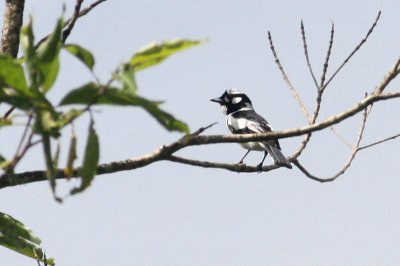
x: 259, y: 168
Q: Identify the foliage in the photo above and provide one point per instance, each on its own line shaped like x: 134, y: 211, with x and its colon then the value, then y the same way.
x: 24, y: 84
x: 16, y: 236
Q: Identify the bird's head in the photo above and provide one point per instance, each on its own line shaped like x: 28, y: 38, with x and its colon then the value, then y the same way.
x: 233, y: 100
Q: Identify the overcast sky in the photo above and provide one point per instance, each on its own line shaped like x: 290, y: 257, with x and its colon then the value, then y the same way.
x: 171, y: 214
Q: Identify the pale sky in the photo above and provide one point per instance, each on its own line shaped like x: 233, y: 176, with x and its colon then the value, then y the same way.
x: 172, y: 214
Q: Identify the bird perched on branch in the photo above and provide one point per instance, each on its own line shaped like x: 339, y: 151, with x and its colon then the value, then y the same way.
x: 242, y: 119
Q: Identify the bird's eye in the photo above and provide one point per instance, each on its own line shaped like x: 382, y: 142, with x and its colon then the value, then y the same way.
x: 236, y: 100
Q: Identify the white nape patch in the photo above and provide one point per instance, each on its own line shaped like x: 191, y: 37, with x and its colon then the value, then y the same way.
x: 233, y: 91
x: 237, y: 100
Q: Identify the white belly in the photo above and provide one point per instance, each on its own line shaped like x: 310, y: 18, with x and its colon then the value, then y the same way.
x: 255, y: 146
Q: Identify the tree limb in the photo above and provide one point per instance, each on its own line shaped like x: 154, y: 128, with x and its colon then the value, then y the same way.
x: 166, y: 152
x: 13, y: 17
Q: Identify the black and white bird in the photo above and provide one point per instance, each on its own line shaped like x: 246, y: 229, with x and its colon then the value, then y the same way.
x: 242, y: 119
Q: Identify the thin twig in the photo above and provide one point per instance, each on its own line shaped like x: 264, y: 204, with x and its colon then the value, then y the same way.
x: 340, y: 137
x: 86, y: 10
x: 286, y: 79
x: 20, y: 155
x: 71, y: 24
x: 326, y: 63
x: 318, y: 100
x: 8, y: 113
x: 354, y: 51
x: 202, y: 129
x: 28, y: 124
x: 379, y: 142
x: 82, y: 13
x: 239, y: 168
x: 303, y: 35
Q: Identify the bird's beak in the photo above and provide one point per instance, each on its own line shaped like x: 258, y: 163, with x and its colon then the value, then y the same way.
x: 217, y: 100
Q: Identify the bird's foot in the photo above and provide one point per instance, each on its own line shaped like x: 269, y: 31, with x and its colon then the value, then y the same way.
x: 259, y: 168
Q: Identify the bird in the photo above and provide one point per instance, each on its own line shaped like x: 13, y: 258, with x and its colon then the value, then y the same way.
x: 241, y: 118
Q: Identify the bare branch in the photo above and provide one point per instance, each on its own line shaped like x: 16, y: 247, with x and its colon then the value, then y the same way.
x: 82, y: 13
x: 381, y: 86
x: 286, y: 79
x: 303, y: 35
x: 8, y: 113
x: 166, y: 152
x: 86, y: 10
x: 71, y: 24
x: 379, y: 142
x: 202, y: 129
x: 349, y: 161
x: 389, y: 77
x: 326, y: 63
x: 27, y: 126
x: 355, y: 50
x: 340, y: 137
x: 239, y: 168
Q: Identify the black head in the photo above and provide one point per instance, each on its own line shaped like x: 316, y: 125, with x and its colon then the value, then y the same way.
x: 233, y: 100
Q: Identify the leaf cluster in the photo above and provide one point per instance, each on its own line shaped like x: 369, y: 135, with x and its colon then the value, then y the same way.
x: 24, y: 85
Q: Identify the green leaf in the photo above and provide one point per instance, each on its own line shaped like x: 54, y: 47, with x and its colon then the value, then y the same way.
x: 165, y: 119
x: 69, y: 168
x: 5, y: 122
x: 48, y: 57
x: 16, y: 236
x: 84, y: 94
x: 126, y: 76
x: 28, y: 40
x: 12, y: 74
x: 81, y: 53
x: 48, y: 121
x: 90, y: 161
x: 50, y: 169
x: 28, y: 45
x: 16, y: 99
x: 4, y: 163
x: 153, y: 53
x: 49, y: 73
x: 92, y: 93
x: 66, y: 118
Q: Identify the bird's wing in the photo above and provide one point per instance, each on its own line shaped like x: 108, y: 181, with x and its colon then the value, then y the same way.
x: 259, y: 125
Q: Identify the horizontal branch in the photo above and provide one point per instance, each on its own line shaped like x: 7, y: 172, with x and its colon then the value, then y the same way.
x: 166, y: 152
x: 239, y: 168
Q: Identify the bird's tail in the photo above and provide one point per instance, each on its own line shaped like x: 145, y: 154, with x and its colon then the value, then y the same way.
x: 277, y: 156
